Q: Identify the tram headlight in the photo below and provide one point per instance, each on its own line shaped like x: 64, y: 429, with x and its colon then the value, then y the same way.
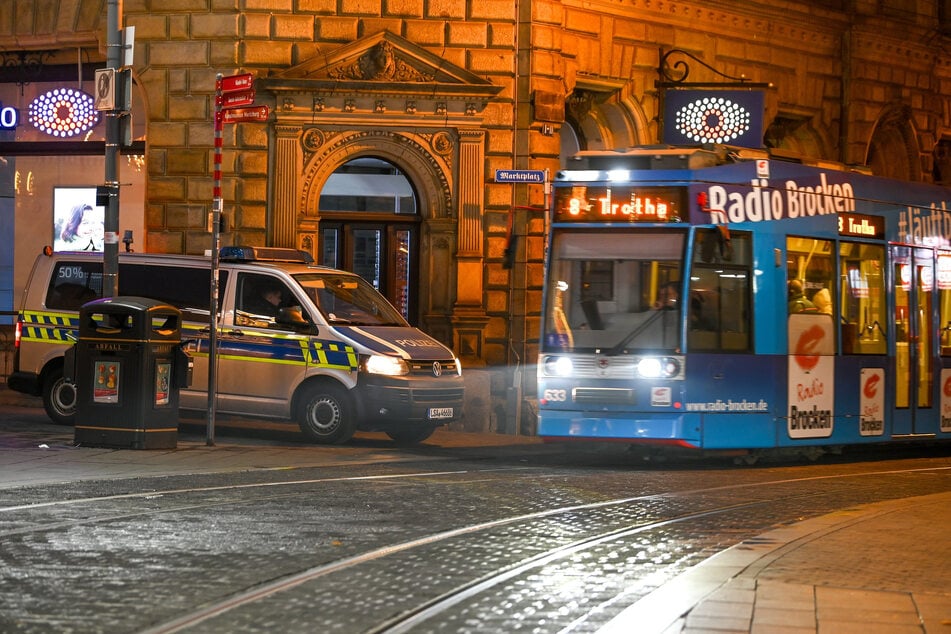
x: 649, y: 368
x: 558, y: 366
x: 658, y: 367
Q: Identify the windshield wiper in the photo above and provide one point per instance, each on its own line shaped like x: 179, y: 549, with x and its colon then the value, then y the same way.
x: 616, y: 348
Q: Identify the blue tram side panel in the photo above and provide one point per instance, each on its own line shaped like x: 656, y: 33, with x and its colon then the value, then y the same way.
x: 813, y: 304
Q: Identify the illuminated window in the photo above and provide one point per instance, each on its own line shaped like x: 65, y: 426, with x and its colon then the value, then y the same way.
x: 63, y: 112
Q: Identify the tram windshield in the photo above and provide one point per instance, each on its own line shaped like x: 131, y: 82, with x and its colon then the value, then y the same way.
x: 614, y: 291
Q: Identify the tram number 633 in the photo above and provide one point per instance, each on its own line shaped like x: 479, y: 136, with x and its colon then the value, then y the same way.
x: 555, y: 396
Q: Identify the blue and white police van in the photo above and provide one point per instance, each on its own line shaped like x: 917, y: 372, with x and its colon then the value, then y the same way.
x: 327, y: 351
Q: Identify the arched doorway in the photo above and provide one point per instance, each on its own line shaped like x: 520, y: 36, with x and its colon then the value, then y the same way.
x: 369, y: 224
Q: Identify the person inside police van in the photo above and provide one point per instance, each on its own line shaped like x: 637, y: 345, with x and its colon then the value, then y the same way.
x: 268, y: 300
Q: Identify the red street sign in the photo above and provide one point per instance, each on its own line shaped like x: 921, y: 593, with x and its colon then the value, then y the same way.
x: 243, y: 115
x: 236, y: 82
x: 237, y: 99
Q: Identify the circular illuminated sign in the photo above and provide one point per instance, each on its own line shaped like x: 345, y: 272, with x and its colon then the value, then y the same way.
x: 712, y: 120
x: 63, y: 112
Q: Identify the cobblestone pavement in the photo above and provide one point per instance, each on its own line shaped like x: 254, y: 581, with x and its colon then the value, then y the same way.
x: 469, y: 533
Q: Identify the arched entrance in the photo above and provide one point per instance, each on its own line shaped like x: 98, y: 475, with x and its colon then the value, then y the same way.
x: 365, y: 195
x: 415, y: 111
x: 369, y: 224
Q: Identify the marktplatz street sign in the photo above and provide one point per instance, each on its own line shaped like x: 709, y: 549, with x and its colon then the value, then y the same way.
x: 519, y: 176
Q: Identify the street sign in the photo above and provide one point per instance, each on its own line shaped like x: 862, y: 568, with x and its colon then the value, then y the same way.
x: 244, y: 115
x: 237, y: 99
x: 105, y: 89
x: 519, y: 176
x: 235, y: 83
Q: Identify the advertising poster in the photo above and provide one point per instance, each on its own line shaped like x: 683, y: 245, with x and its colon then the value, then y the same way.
x: 106, y: 388
x: 872, y: 401
x: 811, y: 376
x: 945, y: 399
x: 163, y: 372
x: 78, y: 224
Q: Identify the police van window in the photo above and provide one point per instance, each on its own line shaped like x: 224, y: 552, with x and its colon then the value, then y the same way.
x: 73, y: 284
x: 186, y: 288
x: 348, y: 300
x: 259, y: 301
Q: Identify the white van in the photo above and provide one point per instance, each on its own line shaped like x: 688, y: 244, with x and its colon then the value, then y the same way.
x: 327, y: 350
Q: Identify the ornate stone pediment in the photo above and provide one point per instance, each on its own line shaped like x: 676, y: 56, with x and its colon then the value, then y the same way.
x: 385, y: 58
x: 382, y: 77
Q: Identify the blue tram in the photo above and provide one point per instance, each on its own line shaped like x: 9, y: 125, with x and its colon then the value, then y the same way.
x: 719, y: 299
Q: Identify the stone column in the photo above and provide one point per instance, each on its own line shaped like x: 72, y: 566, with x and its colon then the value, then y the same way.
x: 286, y: 170
x: 469, y: 319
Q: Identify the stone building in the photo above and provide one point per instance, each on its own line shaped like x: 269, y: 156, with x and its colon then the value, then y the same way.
x: 389, y: 118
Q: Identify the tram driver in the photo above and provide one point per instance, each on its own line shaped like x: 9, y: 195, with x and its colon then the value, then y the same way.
x: 668, y: 295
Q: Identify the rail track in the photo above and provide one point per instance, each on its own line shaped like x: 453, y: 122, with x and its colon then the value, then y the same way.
x: 559, y: 564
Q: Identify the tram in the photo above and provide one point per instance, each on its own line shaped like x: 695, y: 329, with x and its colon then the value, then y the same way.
x: 717, y: 298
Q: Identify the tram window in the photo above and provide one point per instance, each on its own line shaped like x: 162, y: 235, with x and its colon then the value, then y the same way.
x: 862, y: 289
x: 944, y: 300
x: 719, y: 297
x: 597, y: 281
x: 603, y: 287
x: 811, y: 270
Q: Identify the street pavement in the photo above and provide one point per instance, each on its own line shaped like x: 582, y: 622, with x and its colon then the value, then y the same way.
x: 879, y: 568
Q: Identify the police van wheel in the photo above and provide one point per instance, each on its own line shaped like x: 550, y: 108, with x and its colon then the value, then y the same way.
x: 59, y: 397
x: 411, y: 435
x: 326, y: 415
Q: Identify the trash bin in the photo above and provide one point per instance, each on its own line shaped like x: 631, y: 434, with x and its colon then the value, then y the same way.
x: 128, y: 365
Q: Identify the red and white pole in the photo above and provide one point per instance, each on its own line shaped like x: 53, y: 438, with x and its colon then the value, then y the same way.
x: 216, y: 206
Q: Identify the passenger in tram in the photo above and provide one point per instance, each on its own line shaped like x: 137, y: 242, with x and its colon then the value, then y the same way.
x: 797, y: 299
x: 823, y: 301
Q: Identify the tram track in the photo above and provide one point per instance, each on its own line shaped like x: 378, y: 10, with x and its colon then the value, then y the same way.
x: 604, y: 525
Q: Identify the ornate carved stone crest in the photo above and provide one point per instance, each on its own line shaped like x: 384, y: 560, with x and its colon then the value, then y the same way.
x: 380, y: 63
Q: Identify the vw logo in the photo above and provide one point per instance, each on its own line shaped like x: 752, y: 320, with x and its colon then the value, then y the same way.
x: 437, y: 368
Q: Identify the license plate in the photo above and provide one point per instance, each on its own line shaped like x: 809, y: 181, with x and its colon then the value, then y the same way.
x: 440, y: 412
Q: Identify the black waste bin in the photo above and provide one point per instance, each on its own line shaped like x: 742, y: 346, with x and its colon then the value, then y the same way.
x: 128, y: 365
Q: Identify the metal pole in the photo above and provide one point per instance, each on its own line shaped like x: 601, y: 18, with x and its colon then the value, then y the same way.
x: 215, y: 239
x: 110, y: 249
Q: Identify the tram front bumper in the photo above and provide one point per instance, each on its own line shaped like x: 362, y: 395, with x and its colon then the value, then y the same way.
x: 661, y: 429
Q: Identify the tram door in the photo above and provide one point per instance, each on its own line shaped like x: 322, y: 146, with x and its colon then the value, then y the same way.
x: 914, y: 330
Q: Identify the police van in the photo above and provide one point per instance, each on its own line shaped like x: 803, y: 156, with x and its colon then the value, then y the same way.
x: 295, y: 341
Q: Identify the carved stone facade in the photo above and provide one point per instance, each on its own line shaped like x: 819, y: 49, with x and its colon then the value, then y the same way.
x: 451, y: 90
x: 385, y: 97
